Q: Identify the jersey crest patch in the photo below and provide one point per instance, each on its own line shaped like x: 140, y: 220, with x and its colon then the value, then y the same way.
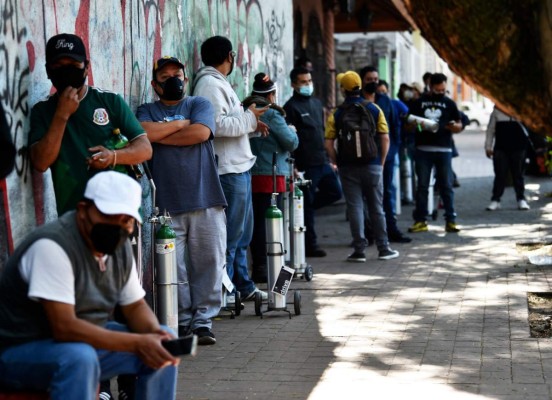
x: 101, y: 117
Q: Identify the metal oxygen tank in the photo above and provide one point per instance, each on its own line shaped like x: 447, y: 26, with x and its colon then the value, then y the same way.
x: 407, y: 186
x: 166, y: 274
x: 287, y: 223
x: 299, y: 230
x: 274, y: 225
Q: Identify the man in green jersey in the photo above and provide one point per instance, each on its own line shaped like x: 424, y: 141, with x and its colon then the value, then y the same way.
x: 70, y: 128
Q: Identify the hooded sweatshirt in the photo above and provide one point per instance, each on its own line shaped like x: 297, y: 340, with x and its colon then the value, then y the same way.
x: 233, y: 124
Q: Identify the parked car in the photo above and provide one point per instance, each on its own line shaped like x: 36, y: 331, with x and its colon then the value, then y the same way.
x: 477, y: 113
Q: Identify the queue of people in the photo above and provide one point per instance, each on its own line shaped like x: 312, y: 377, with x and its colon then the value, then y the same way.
x: 211, y: 159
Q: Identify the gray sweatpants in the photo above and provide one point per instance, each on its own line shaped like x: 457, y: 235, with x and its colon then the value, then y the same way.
x: 200, y: 253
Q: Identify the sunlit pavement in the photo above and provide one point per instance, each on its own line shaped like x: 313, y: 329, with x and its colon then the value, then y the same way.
x: 446, y: 320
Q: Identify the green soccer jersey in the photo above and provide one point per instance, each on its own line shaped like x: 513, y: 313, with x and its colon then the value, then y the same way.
x: 99, y: 113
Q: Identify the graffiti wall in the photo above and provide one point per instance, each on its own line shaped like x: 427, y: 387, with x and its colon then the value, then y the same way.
x: 123, y: 38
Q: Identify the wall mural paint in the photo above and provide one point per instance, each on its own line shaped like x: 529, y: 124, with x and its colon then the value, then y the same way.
x: 122, y: 39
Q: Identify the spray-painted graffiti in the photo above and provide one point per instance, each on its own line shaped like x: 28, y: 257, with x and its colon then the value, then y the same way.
x: 123, y: 38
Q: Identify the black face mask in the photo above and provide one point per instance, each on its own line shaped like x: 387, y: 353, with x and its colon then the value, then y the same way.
x: 65, y: 76
x: 173, y: 88
x: 106, y: 238
x: 232, y: 67
x: 371, y: 87
x: 438, y: 96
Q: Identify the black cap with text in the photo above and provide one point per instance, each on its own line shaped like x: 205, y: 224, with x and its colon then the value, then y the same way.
x: 65, y: 45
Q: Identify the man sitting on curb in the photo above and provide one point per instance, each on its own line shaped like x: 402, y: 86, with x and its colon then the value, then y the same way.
x: 57, y: 291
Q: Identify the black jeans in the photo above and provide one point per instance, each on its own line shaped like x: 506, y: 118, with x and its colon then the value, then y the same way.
x: 505, y: 162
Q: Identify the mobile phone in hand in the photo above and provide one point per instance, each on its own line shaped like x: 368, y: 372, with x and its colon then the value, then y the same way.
x: 186, y: 345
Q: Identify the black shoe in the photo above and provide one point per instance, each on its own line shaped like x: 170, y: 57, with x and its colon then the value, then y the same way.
x: 398, y: 237
x: 357, y: 256
x: 387, y: 254
x: 105, y: 390
x: 126, y: 385
x: 205, y: 336
x: 183, y: 330
x: 315, y: 252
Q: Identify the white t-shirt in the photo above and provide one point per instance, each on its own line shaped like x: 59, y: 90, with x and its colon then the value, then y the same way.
x: 45, y: 266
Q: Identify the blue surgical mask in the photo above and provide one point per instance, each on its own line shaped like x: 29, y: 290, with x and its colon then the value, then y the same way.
x: 306, y: 90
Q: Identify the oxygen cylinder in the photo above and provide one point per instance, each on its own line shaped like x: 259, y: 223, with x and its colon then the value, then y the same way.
x: 298, y: 231
x: 406, y: 178
x: 423, y: 123
x: 397, y: 185
x: 274, y: 224
x: 166, y: 273
x: 287, y: 227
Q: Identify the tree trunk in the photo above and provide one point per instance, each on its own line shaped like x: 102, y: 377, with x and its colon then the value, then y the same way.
x: 503, y: 48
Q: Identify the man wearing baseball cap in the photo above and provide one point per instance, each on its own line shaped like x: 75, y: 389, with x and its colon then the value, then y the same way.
x: 184, y: 169
x: 364, y: 179
x: 69, y: 129
x: 58, y: 290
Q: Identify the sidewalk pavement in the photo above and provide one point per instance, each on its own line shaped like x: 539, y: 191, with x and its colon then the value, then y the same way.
x: 447, y: 320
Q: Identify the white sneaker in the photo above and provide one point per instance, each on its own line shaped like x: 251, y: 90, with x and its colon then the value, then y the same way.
x: 230, y: 299
x: 495, y: 205
x: 522, y: 205
x: 251, y: 296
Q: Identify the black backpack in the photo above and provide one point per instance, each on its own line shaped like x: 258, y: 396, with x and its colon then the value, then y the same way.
x: 356, y: 131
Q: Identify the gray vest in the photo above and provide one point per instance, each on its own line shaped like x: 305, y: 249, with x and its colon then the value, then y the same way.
x: 96, y: 293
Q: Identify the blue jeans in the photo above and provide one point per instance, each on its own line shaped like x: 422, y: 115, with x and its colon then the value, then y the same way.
x: 73, y: 370
x: 239, y: 229
x: 324, y: 190
x: 364, y: 182
x: 424, y: 162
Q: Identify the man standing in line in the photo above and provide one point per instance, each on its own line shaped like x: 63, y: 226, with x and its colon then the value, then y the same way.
x: 361, y: 180
x: 235, y: 159
x: 434, y: 150
x: 370, y: 80
x: 185, y: 172
x: 69, y: 129
x: 306, y: 113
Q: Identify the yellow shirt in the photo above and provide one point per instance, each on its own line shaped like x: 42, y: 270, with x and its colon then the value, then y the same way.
x: 381, y: 124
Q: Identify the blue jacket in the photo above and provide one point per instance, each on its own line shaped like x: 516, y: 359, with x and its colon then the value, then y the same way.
x: 281, y: 139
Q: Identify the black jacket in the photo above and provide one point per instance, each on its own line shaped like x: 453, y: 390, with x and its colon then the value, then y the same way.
x: 307, y: 115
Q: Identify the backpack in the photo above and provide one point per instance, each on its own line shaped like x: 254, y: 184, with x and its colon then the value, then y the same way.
x: 356, y: 131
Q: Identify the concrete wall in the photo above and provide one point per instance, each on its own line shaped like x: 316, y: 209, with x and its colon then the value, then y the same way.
x: 123, y: 38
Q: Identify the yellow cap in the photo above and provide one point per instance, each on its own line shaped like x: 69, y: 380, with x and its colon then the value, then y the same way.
x: 350, y: 81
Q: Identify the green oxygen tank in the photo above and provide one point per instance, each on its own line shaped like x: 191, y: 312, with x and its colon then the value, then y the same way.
x: 166, y: 275
x: 117, y: 141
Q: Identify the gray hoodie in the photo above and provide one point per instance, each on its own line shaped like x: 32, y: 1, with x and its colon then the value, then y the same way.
x: 233, y: 124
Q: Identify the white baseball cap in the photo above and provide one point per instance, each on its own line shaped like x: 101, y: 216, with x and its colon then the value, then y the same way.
x: 115, y: 193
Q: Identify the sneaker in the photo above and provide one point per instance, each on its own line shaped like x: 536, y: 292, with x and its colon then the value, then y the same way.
x: 205, y: 336
x: 105, y: 390
x: 522, y: 205
x: 124, y: 396
x: 420, y: 226
x: 398, y: 237
x: 451, y: 227
x: 251, y: 296
x: 495, y: 205
x: 387, y: 254
x: 230, y: 299
x: 315, y: 252
x: 357, y: 256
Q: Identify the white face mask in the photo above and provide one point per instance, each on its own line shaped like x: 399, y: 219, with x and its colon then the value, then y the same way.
x: 408, y: 94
